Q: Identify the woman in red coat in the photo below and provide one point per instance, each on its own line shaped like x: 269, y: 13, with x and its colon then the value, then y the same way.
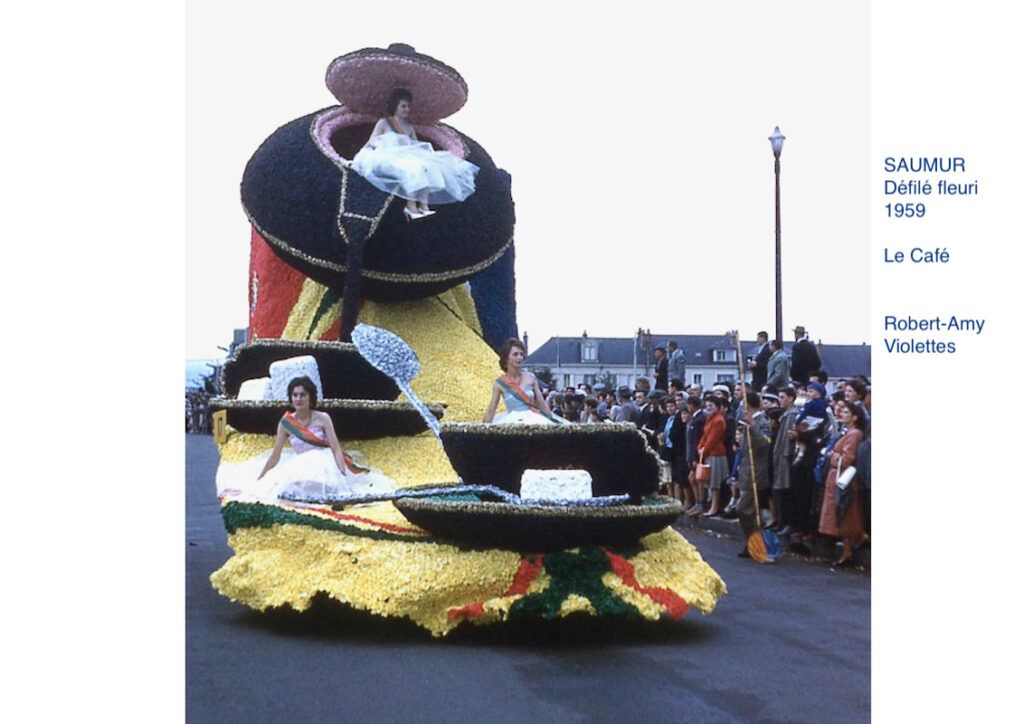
x: 712, y: 449
x: 851, y: 526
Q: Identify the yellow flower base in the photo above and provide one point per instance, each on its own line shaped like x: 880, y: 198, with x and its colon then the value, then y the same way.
x: 429, y: 582
x: 373, y: 559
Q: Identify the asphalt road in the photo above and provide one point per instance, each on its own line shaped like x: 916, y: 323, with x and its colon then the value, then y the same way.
x: 788, y: 643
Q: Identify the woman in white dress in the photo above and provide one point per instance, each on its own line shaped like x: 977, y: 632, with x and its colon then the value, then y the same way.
x: 395, y: 161
x: 319, y: 467
x: 520, y: 391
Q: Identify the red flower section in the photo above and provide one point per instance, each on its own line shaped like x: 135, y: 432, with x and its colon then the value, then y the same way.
x: 473, y: 610
x: 390, y: 527
x: 274, y: 287
x: 333, y: 333
x: 674, y: 605
x: 529, y: 567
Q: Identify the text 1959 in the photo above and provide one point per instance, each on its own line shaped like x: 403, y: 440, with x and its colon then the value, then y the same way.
x: 904, y: 211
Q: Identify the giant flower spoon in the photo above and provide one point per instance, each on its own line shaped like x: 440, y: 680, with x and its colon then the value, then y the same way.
x: 390, y: 354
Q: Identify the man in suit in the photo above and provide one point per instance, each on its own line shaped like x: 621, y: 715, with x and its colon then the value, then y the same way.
x: 676, y: 362
x: 625, y: 411
x: 660, y: 369
x: 759, y: 365
x: 804, y: 355
x: 779, y: 370
x: 648, y: 416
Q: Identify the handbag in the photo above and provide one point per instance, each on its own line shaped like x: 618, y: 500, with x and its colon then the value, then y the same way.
x: 703, y: 472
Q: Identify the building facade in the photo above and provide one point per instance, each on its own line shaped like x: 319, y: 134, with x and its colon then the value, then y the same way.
x: 618, y: 361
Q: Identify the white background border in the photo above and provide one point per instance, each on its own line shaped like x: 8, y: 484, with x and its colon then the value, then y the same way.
x: 94, y: 291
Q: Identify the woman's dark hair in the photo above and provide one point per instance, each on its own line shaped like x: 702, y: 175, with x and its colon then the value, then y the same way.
x: 717, y: 402
x: 398, y: 95
x: 306, y: 384
x: 860, y: 420
x: 506, y: 350
x: 859, y: 387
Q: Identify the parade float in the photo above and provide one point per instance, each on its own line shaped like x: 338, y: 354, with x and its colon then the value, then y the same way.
x: 387, y: 313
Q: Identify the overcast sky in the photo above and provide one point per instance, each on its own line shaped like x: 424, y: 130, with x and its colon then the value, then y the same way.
x: 636, y: 140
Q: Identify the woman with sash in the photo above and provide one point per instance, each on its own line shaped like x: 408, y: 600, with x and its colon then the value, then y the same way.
x: 319, y: 466
x: 395, y: 161
x: 524, y: 401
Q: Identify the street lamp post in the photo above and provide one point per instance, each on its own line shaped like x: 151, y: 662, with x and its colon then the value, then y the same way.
x: 646, y: 346
x: 636, y: 344
x: 777, y: 138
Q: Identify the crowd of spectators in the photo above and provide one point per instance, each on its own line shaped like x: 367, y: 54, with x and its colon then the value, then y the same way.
x: 789, y: 437
x: 197, y: 412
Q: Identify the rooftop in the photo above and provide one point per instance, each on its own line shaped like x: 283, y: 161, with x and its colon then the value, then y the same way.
x: 839, y: 360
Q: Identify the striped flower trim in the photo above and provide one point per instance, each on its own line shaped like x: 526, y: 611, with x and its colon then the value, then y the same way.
x: 530, y: 567
x: 239, y: 514
x: 675, y: 606
x: 576, y: 585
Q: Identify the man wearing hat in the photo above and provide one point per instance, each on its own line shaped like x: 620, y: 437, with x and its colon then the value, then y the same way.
x: 723, y: 390
x: 676, y: 362
x: 804, y: 355
x: 626, y: 410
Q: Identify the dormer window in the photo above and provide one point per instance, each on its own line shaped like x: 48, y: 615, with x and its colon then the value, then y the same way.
x: 725, y: 355
x: 588, y: 351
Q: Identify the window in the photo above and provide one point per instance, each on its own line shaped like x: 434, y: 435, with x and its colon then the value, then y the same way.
x: 698, y: 379
x: 725, y: 378
x: 589, y: 379
x: 589, y: 352
x: 725, y: 355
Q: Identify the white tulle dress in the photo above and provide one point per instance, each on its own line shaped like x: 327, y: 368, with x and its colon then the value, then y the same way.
x: 397, y: 164
x: 519, y: 413
x: 312, y: 471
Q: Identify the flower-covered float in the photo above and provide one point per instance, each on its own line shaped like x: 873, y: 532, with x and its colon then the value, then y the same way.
x: 328, y: 251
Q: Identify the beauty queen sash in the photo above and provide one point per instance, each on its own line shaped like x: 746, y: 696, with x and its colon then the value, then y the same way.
x: 506, y: 384
x: 296, y: 428
x: 395, y: 126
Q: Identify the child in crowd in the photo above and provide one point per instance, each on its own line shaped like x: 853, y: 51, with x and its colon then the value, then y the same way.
x: 812, y: 416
